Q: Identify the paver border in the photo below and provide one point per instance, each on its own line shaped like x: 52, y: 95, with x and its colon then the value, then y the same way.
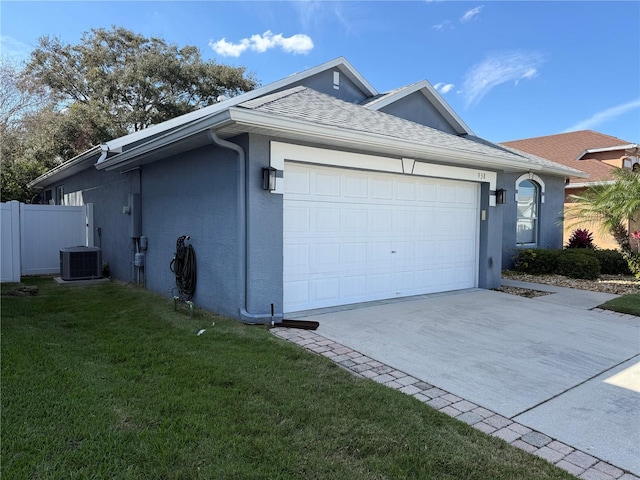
x: 570, y: 459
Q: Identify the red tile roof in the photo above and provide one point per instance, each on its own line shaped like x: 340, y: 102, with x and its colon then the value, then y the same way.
x: 565, y: 148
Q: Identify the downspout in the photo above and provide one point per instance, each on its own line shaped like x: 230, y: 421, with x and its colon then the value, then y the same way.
x: 103, y: 154
x: 245, y: 316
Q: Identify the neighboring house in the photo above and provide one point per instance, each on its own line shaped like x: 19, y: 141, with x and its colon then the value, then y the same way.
x: 311, y: 192
x: 593, y: 153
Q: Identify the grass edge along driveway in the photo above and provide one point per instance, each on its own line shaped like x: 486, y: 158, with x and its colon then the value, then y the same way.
x: 108, y: 381
x: 629, y: 304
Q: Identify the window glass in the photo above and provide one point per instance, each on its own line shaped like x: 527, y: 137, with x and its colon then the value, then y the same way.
x: 527, y: 223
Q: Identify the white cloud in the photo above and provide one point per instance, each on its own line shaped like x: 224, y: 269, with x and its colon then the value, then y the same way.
x: 470, y: 14
x: 497, y: 69
x: 298, y: 44
x: 445, y: 25
x: 13, y: 49
x: 309, y: 12
x: 314, y: 14
x: 444, y: 87
x: 604, y: 116
x: 226, y: 49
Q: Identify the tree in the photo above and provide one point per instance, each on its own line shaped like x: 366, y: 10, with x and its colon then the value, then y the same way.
x: 135, y: 81
x: 15, y: 102
x: 69, y: 98
x: 16, y: 105
x: 612, y: 206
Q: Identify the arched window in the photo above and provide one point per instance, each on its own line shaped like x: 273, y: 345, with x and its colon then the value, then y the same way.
x: 527, y: 212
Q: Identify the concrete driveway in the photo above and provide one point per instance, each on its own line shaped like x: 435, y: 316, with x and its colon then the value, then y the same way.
x: 549, y: 363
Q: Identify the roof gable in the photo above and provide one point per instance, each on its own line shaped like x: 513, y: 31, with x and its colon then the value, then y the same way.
x: 314, y: 76
x: 420, y: 103
x: 570, y: 149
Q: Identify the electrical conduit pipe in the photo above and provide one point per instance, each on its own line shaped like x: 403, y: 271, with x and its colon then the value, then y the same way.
x: 245, y: 316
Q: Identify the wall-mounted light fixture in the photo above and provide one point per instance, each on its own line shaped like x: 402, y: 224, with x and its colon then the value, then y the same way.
x: 269, y: 178
x: 501, y: 196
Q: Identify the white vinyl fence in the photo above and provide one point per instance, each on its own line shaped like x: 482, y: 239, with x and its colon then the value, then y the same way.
x: 32, y: 236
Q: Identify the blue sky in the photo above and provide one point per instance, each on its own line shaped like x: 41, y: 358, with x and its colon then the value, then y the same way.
x: 511, y: 70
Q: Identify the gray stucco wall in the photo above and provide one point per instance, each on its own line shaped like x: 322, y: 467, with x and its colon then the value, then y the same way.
x: 418, y: 109
x: 490, y: 254
x: 323, y: 82
x: 194, y: 194
x: 264, y: 234
x: 549, y: 220
x: 108, y: 192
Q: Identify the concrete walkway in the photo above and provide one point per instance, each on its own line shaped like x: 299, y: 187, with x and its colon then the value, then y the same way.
x: 547, y: 375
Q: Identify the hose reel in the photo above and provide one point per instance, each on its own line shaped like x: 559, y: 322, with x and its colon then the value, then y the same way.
x: 183, y: 266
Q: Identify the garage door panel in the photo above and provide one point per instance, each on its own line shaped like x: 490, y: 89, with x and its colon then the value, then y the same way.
x: 446, y: 193
x: 297, y: 182
x: 425, y: 221
x: 378, y: 284
x: 296, y: 258
x: 404, y: 221
x: 466, y: 196
x: 405, y: 191
x: 296, y: 219
x: 380, y: 220
x: 297, y: 292
x: 354, y: 220
x: 353, y: 287
x: 379, y: 255
x: 360, y: 236
x: 325, y: 257
x: 327, y: 289
x: 355, y: 186
x: 326, y: 219
x: 381, y: 189
x: 447, y: 223
x: 427, y: 193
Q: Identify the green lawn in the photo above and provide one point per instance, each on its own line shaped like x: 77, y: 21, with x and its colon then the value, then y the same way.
x: 107, y: 381
x: 629, y: 303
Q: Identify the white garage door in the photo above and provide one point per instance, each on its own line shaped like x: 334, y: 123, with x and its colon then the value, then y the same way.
x: 353, y: 236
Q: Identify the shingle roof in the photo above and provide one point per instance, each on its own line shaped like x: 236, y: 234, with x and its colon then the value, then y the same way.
x: 301, y: 103
x: 378, y: 98
x: 565, y: 148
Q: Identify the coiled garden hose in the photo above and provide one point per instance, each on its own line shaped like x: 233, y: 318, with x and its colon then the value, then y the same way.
x: 183, y: 266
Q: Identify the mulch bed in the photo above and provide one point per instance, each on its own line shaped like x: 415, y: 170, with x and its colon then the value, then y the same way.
x: 523, y: 292
x: 615, y: 284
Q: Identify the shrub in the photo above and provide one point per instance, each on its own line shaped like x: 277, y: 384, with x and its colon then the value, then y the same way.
x: 633, y: 261
x: 581, y: 238
x: 536, y: 261
x: 612, y: 262
x: 578, y: 263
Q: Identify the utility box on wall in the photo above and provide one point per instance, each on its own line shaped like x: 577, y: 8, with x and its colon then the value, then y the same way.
x: 135, y: 206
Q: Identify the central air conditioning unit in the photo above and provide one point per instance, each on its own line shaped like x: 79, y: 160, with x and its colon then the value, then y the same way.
x: 80, y: 263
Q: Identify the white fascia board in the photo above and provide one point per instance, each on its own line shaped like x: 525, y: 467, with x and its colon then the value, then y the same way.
x: 629, y: 146
x: 433, y: 96
x: 121, y: 160
x: 359, y: 140
x: 75, y: 165
x: 588, y: 184
x: 298, y: 153
x: 352, y: 74
x: 175, y: 123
